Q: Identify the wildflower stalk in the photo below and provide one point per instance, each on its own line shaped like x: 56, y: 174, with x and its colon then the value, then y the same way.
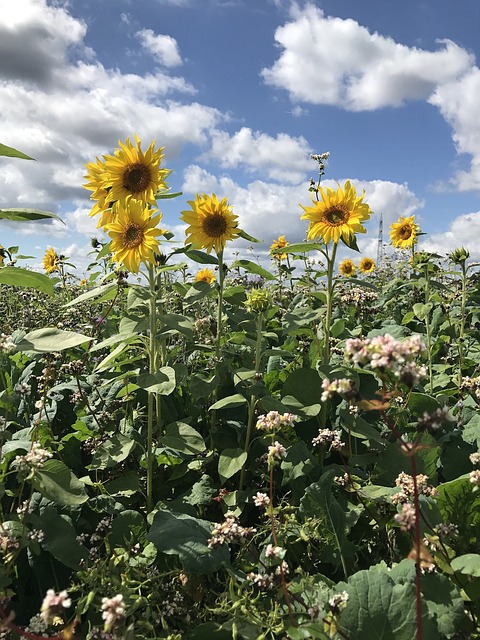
x: 152, y: 362
x: 253, y: 399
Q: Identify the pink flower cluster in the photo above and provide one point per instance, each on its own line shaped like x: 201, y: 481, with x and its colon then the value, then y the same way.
x: 385, y: 354
x: 274, y: 421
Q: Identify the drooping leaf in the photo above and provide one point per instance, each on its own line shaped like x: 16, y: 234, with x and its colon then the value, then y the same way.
x: 162, y: 382
x: 10, y: 152
x: 113, y: 451
x: 229, y: 462
x: 230, y: 402
x: 17, y: 277
x: 50, y: 339
x: 182, y: 535
x: 56, y: 482
x: 253, y: 267
x: 28, y: 215
x: 61, y: 539
x: 183, y: 438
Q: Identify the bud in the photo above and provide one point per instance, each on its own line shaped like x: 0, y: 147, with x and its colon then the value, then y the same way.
x: 258, y: 301
x: 459, y: 256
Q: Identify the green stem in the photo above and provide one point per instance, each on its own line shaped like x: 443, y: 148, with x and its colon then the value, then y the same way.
x: 253, y: 399
x: 328, y: 322
x: 428, y: 328
x: 221, y: 279
x: 152, y: 357
x: 461, y: 334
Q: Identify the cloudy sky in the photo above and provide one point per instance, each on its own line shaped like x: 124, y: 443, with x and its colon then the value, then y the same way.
x: 240, y: 93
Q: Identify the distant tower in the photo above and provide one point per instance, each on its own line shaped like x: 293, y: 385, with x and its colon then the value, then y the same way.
x: 380, y: 241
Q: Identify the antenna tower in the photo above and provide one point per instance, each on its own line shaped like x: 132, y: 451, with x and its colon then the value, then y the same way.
x: 380, y: 241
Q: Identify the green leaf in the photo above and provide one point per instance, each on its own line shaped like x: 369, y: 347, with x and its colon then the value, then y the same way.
x: 113, y: 451
x: 93, y: 293
x: 16, y: 277
x: 247, y: 236
x: 162, y: 382
x: 253, y: 267
x: 378, y: 609
x: 197, y: 291
x: 50, y: 340
x: 183, y: 438
x: 27, y: 215
x: 468, y: 564
x: 13, y: 153
x: 422, y: 310
x: 57, y: 483
x: 319, y: 503
x: 201, y: 257
x: 229, y: 462
x: 61, y: 539
x: 180, y: 323
x: 301, y: 247
x: 182, y: 535
x: 230, y: 402
x: 471, y: 431
x: 350, y: 242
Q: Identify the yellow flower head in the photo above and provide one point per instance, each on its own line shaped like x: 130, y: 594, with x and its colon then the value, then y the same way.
x: 205, y: 275
x: 134, y: 235
x: 2, y: 255
x: 133, y: 174
x: 403, y: 233
x: 338, y: 214
x: 346, y: 268
x: 367, y: 265
x: 279, y: 243
x: 50, y: 260
x: 211, y: 223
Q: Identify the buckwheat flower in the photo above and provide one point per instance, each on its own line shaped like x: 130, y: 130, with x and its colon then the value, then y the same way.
x: 53, y: 605
x: 34, y: 459
x: 475, y: 458
x: 113, y: 611
x: 338, y: 601
x: 6, y: 344
x: 276, y: 450
x: 275, y: 421
x: 272, y: 551
x: 406, y: 518
x: 475, y: 477
x: 341, y: 386
x: 447, y: 530
x: 23, y: 388
x: 329, y: 437
x: 261, y: 500
x: 263, y: 582
x: 229, y: 531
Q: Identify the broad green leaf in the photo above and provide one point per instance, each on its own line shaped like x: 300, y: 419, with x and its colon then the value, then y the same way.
x: 57, y: 483
x: 197, y: 291
x: 187, y: 537
x: 471, y: 431
x: 180, y: 323
x: 468, y: 564
x: 93, y: 293
x: 183, y: 438
x: 230, y: 402
x: 422, y: 310
x: 301, y: 247
x: 201, y: 257
x: 113, y: 451
x: 61, y: 539
x: 378, y: 609
x: 229, y: 462
x: 162, y: 382
x: 253, y: 267
x: 16, y: 277
x: 50, y: 340
x: 27, y: 215
x: 247, y: 236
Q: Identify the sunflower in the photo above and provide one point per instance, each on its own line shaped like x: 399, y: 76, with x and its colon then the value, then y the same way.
x: 337, y: 215
x: 367, y: 265
x: 51, y: 260
x: 205, y: 275
x: 2, y: 255
x: 211, y: 223
x: 346, y: 268
x: 134, y: 235
x: 404, y: 232
x: 279, y: 243
x: 131, y: 173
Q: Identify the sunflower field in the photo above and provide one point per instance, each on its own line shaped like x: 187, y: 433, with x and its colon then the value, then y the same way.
x: 197, y: 447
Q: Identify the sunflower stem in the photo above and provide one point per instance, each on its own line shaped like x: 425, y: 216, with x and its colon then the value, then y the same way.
x: 328, y: 322
x: 218, y: 339
x: 152, y: 358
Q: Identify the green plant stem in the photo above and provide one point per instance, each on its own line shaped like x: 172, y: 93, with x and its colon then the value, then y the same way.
x: 253, y: 399
x: 461, y: 333
x: 428, y: 328
x: 327, y: 325
x: 221, y: 280
x: 152, y: 357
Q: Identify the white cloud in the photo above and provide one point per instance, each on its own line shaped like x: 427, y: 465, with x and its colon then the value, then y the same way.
x: 282, y: 158
x: 458, y: 103
x: 464, y: 231
x: 328, y: 60
x: 163, y: 48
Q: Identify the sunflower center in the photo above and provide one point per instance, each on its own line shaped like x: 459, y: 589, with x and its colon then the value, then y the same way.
x: 136, y: 177
x: 133, y: 236
x: 405, y: 232
x: 214, y: 225
x: 336, y: 216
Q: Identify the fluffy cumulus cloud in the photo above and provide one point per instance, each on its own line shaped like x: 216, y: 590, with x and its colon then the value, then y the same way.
x: 163, y: 48
x: 282, y: 158
x: 464, y: 231
x: 327, y: 60
x: 458, y: 102
x: 72, y: 108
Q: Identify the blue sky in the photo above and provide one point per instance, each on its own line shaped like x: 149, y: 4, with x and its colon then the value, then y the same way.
x: 240, y: 93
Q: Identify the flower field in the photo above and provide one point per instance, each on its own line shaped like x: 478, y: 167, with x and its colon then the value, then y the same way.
x: 196, y: 447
